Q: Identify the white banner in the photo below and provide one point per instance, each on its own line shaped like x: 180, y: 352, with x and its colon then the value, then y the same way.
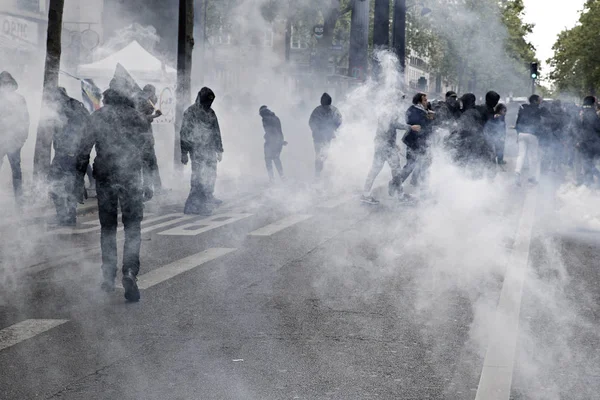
x: 166, y: 104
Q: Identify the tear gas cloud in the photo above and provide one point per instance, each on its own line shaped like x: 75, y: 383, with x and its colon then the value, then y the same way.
x: 454, y: 245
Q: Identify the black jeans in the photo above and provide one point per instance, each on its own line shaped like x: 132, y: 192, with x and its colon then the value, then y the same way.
x: 321, y: 154
x: 204, y: 176
x: 64, y: 189
x: 14, y: 158
x: 130, y: 197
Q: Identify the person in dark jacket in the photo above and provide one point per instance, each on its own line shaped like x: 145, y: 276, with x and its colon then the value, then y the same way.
x: 122, y: 171
x: 146, y: 104
x: 416, y: 141
x: 201, y: 140
x: 69, y: 127
x: 274, y: 141
x: 529, y: 128
x: 589, y: 143
x: 448, y: 112
x: 553, y: 144
x: 324, y: 121
x: 497, y: 132
x: 14, y: 129
x: 386, y: 150
x: 488, y: 110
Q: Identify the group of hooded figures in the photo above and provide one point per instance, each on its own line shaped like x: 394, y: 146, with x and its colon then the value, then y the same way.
x: 126, y: 172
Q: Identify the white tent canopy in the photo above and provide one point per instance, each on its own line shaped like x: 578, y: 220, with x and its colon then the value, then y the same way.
x: 137, y: 61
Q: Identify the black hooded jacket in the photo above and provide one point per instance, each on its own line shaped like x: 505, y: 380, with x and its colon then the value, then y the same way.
x: 325, y: 120
x: 200, y: 132
x: 469, y: 140
x: 123, y: 142
x: 14, y: 116
x: 488, y: 110
x: 272, y: 125
x: 70, y: 126
x: 590, y: 131
x: 529, y: 119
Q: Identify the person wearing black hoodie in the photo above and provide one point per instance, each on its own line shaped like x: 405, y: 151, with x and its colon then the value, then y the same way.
x: 324, y: 122
x: 201, y: 140
x: 14, y: 129
x: 589, y: 143
x: 274, y: 141
x: 529, y: 128
x: 68, y: 127
x: 123, y: 173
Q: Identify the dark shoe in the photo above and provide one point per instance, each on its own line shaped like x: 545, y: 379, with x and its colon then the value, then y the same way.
x: 533, y: 181
x: 132, y: 293
x: 369, y: 200
x: 108, y: 285
x: 392, y: 189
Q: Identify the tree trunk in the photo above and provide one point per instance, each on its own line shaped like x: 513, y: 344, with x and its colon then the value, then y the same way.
x: 359, y: 40
x: 331, y: 13
x: 43, y: 143
x: 185, y: 47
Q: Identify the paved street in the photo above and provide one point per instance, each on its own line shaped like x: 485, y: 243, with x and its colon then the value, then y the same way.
x: 288, y: 293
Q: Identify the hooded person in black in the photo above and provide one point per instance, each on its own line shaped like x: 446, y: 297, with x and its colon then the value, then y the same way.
x: 324, y: 122
x: 529, y: 128
x: 123, y: 177
x: 448, y: 112
x: 69, y: 127
x: 14, y: 129
x: 274, y: 141
x: 589, y: 143
x: 201, y: 139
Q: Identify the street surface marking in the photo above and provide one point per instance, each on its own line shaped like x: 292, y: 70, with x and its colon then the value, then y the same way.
x: 496, y: 377
x: 335, y: 202
x: 206, y: 224
x: 280, y: 225
x: 169, y: 271
x: 27, y: 329
x: 96, y: 221
x: 96, y: 228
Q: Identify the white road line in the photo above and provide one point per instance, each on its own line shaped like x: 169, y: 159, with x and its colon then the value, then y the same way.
x: 496, y: 377
x: 96, y: 222
x: 169, y: 271
x: 27, y: 329
x: 336, y: 202
x: 96, y: 228
x: 280, y: 225
x: 206, y: 224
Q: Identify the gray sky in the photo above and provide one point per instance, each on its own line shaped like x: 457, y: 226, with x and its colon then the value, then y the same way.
x: 550, y: 18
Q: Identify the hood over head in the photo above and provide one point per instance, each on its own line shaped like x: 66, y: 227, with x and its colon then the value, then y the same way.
x: 265, y: 112
x: 205, y: 97
x: 115, y: 97
x: 468, y: 101
x: 589, y: 101
x: 492, y: 99
x: 7, y: 81
x: 326, y: 99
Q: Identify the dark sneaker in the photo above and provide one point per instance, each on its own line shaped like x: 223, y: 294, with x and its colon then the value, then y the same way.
x: 533, y: 181
x: 108, y: 285
x: 132, y: 293
x: 368, y: 200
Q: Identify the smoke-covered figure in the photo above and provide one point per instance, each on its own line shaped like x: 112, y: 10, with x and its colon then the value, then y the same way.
x: 529, y: 128
x: 201, y: 140
x: 386, y: 150
x: 497, y: 132
x: 14, y: 129
x: 589, y: 144
x: 274, y: 142
x: 145, y: 103
x: 69, y: 126
x: 447, y: 112
x: 122, y: 170
x: 324, y: 121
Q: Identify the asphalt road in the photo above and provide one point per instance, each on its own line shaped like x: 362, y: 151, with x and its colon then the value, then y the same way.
x: 288, y: 293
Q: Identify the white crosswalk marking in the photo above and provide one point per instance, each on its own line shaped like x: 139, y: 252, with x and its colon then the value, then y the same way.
x: 280, y: 225
x: 162, y: 274
x: 96, y: 228
x: 206, y: 224
x: 27, y: 329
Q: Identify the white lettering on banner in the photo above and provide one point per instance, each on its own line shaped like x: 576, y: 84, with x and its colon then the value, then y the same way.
x: 205, y: 225
x: 166, y: 104
x: 19, y: 29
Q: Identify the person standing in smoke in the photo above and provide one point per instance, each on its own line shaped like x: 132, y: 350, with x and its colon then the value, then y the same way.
x: 69, y: 127
x: 589, y: 144
x: 497, y: 132
x: 386, y: 150
x: 416, y: 141
x: 145, y: 103
x: 324, y: 121
x: 554, y: 126
x: 448, y: 112
x: 529, y: 127
x: 274, y: 142
x: 201, y: 140
x: 122, y: 170
x: 14, y: 129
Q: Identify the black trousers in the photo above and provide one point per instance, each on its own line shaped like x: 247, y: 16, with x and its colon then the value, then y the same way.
x: 129, y: 196
x: 14, y: 158
x: 272, y: 156
x: 64, y: 187
x: 321, y: 154
x: 204, y: 176
x: 413, y: 159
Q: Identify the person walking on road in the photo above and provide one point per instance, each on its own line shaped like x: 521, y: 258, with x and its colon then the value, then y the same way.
x: 14, y: 129
x: 324, y: 121
x: 529, y: 127
x: 201, y: 141
x: 66, y: 188
x: 123, y: 177
x: 274, y: 142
